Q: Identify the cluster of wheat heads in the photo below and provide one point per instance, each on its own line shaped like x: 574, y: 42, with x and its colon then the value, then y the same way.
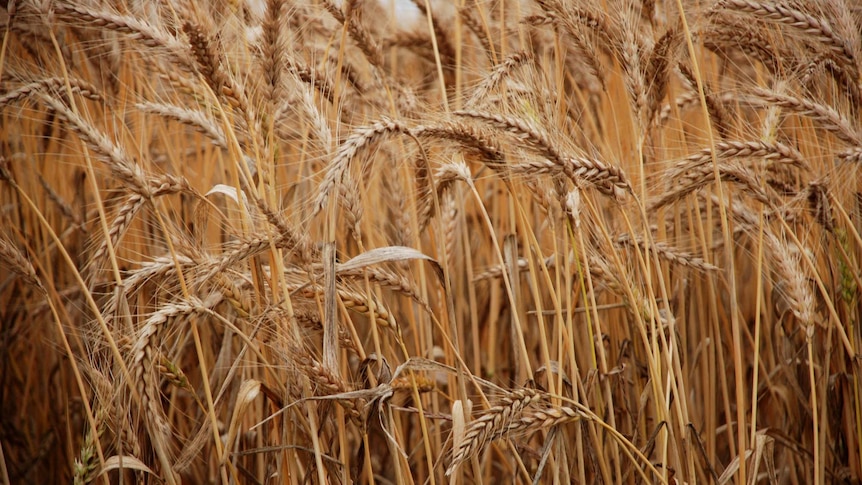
x: 293, y: 242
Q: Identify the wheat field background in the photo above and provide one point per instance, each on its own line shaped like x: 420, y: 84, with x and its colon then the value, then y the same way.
x: 538, y: 241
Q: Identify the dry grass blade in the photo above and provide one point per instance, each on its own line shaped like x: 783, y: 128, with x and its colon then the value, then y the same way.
x: 388, y: 254
x: 330, y: 328
x: 248, y: 392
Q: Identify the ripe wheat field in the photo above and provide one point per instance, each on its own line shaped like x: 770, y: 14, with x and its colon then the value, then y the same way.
x: 508, y: 241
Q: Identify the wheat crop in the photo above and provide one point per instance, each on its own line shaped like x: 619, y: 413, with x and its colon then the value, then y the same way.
x: 537, y: 241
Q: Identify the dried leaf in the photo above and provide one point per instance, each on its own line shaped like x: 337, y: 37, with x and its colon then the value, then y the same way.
x: 388, y: 254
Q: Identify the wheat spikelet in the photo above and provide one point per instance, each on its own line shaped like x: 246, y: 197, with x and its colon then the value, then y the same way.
x: 121, y: 164
x: 501, y: 419
x: 52, y: 85
x: 656, y: 73
x: 210, y: 65
x: 417, y: 41
x: 795, y: 290
x: 321, y: 82
x: 467, y: 136
x: 195, y: 119
x: 136, y: 29
x: 449, y: 219
x: 475, y: 26
x: 599, y: 269
x: 705, y: 175
x: 273, y: 48
x: 726, y: 150
x: 535, y: 419
x: 162, y: 270
x: 350, y: 74
x: 631, y: 59
x: 106, y: 413
x: 32, y: 36
x: 669, y: 253
x: 444, y: 177
x: 360, y: 139
x: 238, y: 298
x: 525, y: 132
x: 813, y: 72
x: 444, y: 46
x: 288, y: 237
x: 309, y: 318
x: 358, y: 32
x: 117, y: 229
x: 497, y: 75
x: 350, y: 200
x: 575, y: 17
x: 827, y: 117
x: 326, y: 382
x: 716, y: 109
x: 143, y: 355
x: 753, y: 43
x: 390, y: 280
x: 285, y: 239
x: 165, y: 185
x: 352, y: 300
x: 607, y: 178
x: 19, y: 264
x: 852, y: 155
x: 805, y: 23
